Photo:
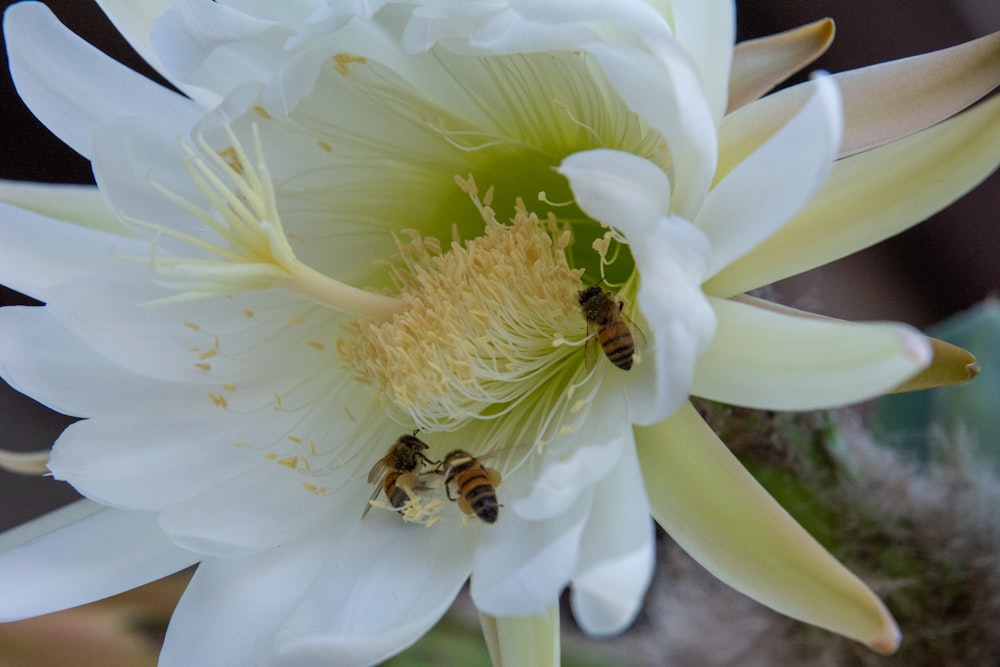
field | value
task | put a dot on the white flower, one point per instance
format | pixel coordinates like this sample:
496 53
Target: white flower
364 220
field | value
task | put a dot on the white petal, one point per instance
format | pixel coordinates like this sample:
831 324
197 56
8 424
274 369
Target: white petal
627 192
214 48
764 191
73 88
525 26
597 447
706 29
263 507
232 607
384 585
79 204
665 91
715 510
764 358
134 20
149 459
874 195
617 552
36 352
38 252
618 189
522 566
99 555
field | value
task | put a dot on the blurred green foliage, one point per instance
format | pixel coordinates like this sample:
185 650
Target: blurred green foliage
970 412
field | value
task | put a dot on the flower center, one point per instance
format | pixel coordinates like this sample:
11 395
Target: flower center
486 328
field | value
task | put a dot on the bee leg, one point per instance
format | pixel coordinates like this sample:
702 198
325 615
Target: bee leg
493 476
427 460
463 505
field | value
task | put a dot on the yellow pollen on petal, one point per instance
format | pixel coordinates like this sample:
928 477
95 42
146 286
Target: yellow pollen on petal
341 62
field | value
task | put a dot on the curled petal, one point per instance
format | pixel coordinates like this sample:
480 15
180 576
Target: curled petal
874 195
764 191
717 512
761 64
706 29
596 450
73 88
522 566
210 48
774 358
617 553
629 193
81 553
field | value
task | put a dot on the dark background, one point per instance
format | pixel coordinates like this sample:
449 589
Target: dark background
942 266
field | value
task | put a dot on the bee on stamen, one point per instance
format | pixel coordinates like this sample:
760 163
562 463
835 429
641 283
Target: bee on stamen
475 484
608 326
397 473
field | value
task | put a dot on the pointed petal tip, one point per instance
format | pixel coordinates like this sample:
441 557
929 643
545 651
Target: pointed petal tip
887 641
949 365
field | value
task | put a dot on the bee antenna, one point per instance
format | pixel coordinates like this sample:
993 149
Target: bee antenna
415 431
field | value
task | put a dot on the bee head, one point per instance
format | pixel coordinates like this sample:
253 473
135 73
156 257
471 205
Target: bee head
583 296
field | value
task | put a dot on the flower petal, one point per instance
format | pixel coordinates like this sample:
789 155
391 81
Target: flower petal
95 552
522 566
617 553
718 513
764 191
233 606
629 193
874 195
383 586
761 64
525 26
523 641
211 48
706 29
263 507
597 447
951 365
882 103
36 350
72 87
774 358
79 204
134 20
39 253
678 110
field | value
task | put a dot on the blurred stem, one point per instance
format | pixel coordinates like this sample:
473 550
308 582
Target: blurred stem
523 641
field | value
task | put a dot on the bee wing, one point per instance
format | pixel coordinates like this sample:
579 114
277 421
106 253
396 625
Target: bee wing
592 348
638 337
368 505
377 471
493 476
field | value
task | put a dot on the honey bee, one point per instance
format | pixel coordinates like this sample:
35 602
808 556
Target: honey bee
604 315
398 471
475 483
